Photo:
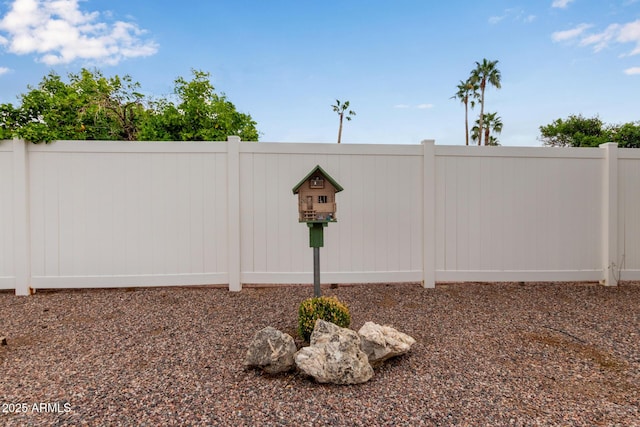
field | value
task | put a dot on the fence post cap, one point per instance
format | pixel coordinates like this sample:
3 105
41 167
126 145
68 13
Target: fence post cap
608 144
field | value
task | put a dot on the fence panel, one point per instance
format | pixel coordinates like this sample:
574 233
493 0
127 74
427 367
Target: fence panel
513 214
629 213
379 213
7 274
115 214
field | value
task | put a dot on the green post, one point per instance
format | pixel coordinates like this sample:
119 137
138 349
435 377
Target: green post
316 234
316 241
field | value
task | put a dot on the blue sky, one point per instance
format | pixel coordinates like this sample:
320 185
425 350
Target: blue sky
397 62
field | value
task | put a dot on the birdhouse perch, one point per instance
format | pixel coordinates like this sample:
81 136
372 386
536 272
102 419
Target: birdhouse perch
316 197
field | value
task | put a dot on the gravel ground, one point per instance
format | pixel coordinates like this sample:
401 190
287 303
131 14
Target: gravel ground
486 355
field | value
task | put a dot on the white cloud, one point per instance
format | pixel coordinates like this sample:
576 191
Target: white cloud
562 4
4 70
58 32
614 33
630 33
573 33
601 40
517 15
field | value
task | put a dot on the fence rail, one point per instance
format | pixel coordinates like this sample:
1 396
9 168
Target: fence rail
82 214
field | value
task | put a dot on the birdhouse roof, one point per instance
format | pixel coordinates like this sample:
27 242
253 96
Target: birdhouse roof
315 171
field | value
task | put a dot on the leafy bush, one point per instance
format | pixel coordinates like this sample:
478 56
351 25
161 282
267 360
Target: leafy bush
325 308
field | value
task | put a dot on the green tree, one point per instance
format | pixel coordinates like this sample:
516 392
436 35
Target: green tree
8 121
89 106
115 101
110 107
162 122
579 131
485 72
626 135
200 115
467 94
575 131
48 111
92 106
341 109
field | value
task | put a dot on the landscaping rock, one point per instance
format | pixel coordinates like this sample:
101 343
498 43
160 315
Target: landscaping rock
334 356
383 342
271 350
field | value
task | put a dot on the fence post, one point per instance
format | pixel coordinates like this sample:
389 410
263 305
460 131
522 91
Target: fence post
428 214
21 219
610 264
233 212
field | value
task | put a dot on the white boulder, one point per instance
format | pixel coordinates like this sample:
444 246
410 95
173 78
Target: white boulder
383 342
334 356
271 350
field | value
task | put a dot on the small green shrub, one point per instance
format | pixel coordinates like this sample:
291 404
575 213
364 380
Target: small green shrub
325 308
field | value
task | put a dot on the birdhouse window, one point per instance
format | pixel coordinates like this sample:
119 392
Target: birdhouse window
322 199
316 182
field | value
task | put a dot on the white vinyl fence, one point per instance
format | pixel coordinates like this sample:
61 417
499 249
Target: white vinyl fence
82 214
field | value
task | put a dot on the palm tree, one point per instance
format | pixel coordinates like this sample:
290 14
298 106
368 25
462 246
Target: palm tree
485 72
467 94
492 123
493 141
475 132
341 109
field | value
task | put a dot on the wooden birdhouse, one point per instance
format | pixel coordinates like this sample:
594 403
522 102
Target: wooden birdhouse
316 197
